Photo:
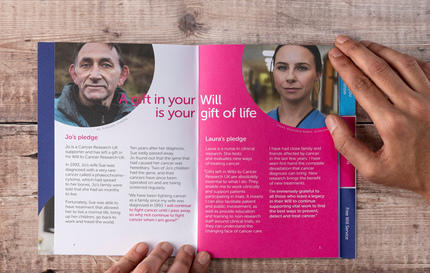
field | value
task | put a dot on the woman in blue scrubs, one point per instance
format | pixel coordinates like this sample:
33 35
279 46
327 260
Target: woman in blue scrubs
296 72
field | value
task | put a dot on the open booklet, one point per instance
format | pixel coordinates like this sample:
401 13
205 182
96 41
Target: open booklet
193 144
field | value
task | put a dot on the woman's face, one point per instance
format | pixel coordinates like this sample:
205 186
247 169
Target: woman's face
294 73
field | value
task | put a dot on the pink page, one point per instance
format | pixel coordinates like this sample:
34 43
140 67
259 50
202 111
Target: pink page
265 189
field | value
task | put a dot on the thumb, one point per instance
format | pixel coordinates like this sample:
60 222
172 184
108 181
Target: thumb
351 148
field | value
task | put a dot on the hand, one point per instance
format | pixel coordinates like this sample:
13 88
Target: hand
136 260
394 89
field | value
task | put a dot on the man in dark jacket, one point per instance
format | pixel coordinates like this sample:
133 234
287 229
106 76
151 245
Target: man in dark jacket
98 72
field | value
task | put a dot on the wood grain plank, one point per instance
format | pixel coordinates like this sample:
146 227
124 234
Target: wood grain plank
18 82
393 224
389 22
18 154
392 230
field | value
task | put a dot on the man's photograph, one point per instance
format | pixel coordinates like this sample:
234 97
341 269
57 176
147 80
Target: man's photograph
93 80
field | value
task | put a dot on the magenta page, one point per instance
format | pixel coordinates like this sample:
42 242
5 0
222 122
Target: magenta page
265 189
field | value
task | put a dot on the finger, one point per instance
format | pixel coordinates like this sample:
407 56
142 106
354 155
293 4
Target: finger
405 65
365 92
376 69
351 148
129 261
201 262
156 258
425 66
184 259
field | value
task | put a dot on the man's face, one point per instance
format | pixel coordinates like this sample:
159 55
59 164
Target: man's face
97 73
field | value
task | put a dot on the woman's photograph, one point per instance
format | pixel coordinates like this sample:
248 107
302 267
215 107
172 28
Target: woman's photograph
291 83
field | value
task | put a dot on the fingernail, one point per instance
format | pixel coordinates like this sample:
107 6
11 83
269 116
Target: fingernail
189 250
342 39
203 258
335 52
365 43
167 247
331 124
141 248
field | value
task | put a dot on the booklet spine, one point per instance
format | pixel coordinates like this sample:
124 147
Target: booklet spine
45 121
347 210
346 100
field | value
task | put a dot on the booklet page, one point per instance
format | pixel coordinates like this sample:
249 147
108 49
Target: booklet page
133 179
265 189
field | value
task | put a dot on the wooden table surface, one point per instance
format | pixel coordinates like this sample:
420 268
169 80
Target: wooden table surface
393 226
